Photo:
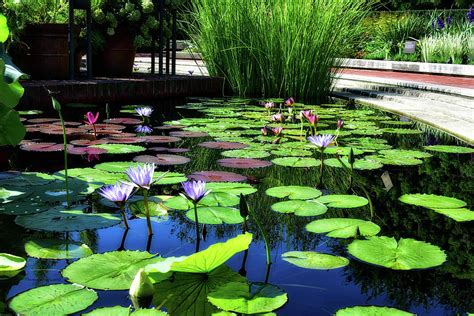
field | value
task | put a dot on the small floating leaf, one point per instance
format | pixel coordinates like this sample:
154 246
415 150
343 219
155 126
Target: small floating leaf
215 215
231 188
458 214
56 249
406 254
294 192
343 201
300 208
343 227
432 201
120 148
371 311
10 262
314 260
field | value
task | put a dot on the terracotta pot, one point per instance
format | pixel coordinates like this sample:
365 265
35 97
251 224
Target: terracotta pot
45 54
116 60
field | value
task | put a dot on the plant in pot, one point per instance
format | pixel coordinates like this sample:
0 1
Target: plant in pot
119 27
39 36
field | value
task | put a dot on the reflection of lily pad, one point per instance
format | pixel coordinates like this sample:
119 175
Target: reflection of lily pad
300 208
297 162
56 249
111 270
343 201
314 260
54 300
450 149
343 227
120 148
294 192
243 298
216 215
432 201
371 311
406 254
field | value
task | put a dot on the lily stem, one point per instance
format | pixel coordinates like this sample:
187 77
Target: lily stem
147 212
66 181
196 220
124 217
321 169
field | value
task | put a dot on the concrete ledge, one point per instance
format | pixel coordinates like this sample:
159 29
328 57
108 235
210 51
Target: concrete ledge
120 90
417 67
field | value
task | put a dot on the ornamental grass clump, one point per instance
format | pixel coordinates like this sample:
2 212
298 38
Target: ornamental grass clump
276 47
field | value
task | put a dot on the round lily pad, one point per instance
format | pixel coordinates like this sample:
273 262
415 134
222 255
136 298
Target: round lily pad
300 208
165 178
215 215
124 311
432 201
343 151
314 260
163 159
404 153
170 150
402 131
115 166
359 164
56 249
458 214
343 227
223 145
297 162
123 120
155 207
24 207
231 188
53 300
395 160
120 148
343 201
243 163
371 311
450 149
42 147
10 262
155 139
185 134
294 192
217 176
241 298
86 151
245 153
406 254
292 152
111 270
60 219
212 199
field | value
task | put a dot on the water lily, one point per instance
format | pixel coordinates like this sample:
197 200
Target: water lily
118 193
313 120
141 291
340 123
195 191
91 119
143 129
278 117
264 131
470 15
144 112
306 114
289 102
321 141
277 130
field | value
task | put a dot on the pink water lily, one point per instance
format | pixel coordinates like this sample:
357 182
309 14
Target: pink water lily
313 119
306 113
289 102
278 117
277 130
90 118
264 131
340 124
269 105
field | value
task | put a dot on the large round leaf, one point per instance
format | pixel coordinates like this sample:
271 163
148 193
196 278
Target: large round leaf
124 311
120 148
243 153
56 249
343 201
60 219
450 149
231 188
115 166
212 199
343 227
432 201
10 262
52 300
241 298
169 178
294 192
314 260
371 311
359 164
300 208
111 270
297 162
216 215
406 254
458 214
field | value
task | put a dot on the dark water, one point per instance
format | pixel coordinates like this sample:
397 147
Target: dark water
444 290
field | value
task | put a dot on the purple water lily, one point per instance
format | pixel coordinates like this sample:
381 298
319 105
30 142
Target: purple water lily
195 190
340 124
118 193
143 129
141 176
321 141
470 15
144 112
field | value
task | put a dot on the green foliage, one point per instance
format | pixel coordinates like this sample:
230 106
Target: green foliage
314 260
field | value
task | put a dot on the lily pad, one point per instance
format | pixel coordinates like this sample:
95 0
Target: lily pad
458 214
245 298
163 159
343 201
371 311
168 178
115 166
292 152
217 176
124 311
359 164
294 192
231 188
112 270
56 249
343 227
432 201
404 153
25 207
450 149
212 199
243 163
297 162
300 208
314 260
185 134
60 219
10 262
155 139
245 153
53 300
215 215
402 131
406 254
223 145
120 148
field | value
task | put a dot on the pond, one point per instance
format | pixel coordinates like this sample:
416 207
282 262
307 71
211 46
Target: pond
360 236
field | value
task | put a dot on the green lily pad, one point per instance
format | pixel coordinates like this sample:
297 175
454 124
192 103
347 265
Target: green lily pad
314 260
120 148
294 192
404 153
359 164
111 270
243 298
155 207
28 179
60 219
450 149
432 201
458 214
406 254
115 166
169 178
300 208
124 311
56 249
212 199
396 160
343 151
343 201
371 311
53 300
12 194
215 215
206 260
292 152
235 188
343 227
297 162
24 207
10 262
402 131
243 153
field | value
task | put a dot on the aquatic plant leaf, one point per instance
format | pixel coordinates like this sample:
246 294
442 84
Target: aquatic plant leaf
406 254
223 145
60 219
212 199
396 160
250 298
359 164
120 148
294 192
12 194
53 300
450 149
215 215
458 214
124 311
10 262
300 208
343 151
166 178
372 311
115 166
402 131
113 270
297 162
245 153
231 188
206 260
163 159
343 227
28 179
404 153
217 176
24 207
243 163
292 152
186 293
56 249
431 201
343 201
314 260
155 207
